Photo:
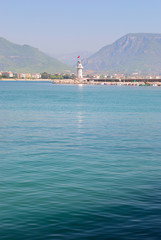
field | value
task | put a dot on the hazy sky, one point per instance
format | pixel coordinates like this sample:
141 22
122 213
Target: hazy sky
65 26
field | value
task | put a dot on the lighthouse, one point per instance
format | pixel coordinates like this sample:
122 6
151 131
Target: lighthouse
79 69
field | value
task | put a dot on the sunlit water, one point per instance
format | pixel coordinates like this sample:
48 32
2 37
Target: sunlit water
79 162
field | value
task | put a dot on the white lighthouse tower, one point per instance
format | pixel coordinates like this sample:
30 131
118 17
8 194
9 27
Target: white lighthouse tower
79 70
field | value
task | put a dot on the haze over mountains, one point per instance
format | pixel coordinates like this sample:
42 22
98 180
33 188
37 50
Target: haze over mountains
131 53
24 58
71 58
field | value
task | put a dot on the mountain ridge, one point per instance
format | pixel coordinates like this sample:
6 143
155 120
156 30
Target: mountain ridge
25 58
134 52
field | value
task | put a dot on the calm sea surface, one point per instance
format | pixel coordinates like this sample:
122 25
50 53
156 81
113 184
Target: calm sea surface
79 162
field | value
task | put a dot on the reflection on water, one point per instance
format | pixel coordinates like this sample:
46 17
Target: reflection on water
80 120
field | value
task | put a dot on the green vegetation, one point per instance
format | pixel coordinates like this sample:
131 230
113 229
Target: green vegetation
131 53
46 75
17 58
56 76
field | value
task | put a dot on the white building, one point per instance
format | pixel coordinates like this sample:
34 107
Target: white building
79 70
36 75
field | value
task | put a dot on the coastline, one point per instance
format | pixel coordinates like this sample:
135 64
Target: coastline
143 82
25 80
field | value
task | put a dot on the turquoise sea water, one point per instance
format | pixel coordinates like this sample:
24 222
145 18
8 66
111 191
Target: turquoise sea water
79 162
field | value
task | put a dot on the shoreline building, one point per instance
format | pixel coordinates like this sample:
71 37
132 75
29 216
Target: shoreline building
7 74
79 70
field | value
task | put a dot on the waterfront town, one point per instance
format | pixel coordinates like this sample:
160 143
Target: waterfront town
134 79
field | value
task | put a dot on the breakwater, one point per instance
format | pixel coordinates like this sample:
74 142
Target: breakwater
125 82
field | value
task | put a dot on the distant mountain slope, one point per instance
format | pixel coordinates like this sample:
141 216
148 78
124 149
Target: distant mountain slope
18 58
71 58
132 53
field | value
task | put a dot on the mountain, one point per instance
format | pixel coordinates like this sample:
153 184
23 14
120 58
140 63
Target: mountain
24 58
140 52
